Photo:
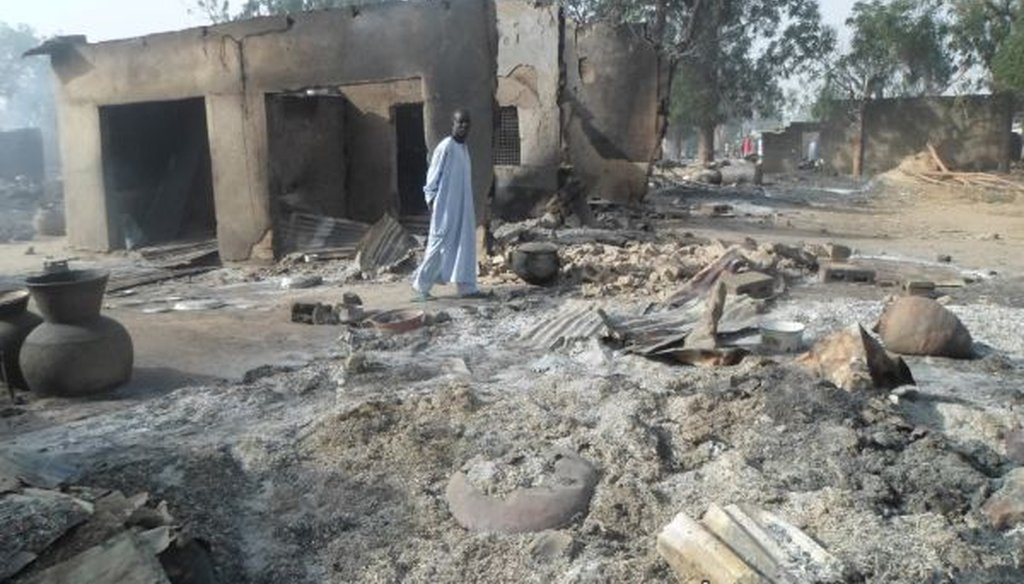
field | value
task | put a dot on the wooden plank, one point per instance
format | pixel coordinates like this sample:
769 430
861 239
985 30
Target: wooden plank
938 161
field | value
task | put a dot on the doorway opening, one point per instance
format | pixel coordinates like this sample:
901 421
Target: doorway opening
411 160
308 170
157 172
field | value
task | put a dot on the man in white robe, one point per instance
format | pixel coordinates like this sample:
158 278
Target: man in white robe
451 244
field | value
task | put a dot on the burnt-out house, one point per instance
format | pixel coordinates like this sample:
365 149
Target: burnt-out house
235 130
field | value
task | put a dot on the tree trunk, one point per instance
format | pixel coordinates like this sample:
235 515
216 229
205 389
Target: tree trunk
706 143
858 140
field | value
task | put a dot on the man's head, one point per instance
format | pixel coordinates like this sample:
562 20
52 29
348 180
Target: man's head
460 125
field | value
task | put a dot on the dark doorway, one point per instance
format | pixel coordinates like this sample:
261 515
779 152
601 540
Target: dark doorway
412 159
157 172
308 168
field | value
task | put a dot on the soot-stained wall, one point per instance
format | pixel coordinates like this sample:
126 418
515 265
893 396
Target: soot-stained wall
450 46
612 108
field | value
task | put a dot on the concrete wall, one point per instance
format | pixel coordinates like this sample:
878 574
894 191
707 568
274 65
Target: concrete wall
529 36
21 154
450 46
970 133
611 108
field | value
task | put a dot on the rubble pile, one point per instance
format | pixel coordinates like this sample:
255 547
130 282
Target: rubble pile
655 269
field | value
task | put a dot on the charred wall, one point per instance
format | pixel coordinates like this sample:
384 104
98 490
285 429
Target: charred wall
612 108
234 66
529 74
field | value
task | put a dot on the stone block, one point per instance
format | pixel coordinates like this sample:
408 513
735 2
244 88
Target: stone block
838 252
742 543
753 284
919 287
842 272
696 555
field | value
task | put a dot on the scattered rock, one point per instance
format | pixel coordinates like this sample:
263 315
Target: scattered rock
944 258
1014 443
913 325
200 304
853 360
299 282
840 272
551 545
752 283
351 299
1006 507
837 252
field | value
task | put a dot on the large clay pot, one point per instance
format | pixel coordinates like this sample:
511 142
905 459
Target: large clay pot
16 322
76 351
913 325
536 263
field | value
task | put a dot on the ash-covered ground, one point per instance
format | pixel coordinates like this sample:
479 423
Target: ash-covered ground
335 470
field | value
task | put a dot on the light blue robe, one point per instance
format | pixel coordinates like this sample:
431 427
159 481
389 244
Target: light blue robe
451 244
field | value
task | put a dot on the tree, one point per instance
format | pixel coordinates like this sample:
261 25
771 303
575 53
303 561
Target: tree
899 47
737 58
26 94
978 29
727 56
1007 64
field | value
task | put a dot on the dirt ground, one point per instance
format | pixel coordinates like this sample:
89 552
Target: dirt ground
322 453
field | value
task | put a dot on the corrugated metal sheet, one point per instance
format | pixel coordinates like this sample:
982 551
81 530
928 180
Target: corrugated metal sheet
303 232
576 320
654 333
180 254
386 243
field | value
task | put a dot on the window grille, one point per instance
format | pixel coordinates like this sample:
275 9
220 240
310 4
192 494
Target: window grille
506 147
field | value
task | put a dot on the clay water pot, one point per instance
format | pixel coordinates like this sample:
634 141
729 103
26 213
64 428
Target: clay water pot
16 322
76 351
536 263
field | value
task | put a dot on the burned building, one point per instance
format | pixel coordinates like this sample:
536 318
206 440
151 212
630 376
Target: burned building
235 130
585 97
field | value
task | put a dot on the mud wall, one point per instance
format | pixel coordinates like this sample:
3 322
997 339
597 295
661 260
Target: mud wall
21 154
371 146
528 76
611 108
969 132
235 65
783 151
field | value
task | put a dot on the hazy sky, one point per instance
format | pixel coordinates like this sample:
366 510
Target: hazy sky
110 19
